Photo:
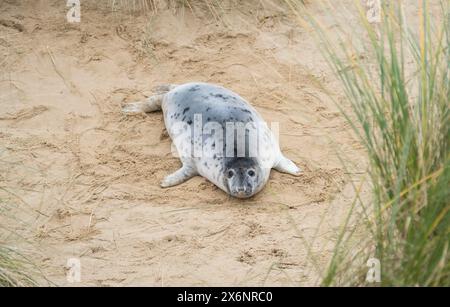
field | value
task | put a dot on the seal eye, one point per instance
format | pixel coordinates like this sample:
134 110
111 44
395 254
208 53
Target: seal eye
230 173
251 173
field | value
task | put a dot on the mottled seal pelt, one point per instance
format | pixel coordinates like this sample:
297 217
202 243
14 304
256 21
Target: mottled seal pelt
217 134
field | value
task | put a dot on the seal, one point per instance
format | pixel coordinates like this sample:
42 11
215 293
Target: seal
218 135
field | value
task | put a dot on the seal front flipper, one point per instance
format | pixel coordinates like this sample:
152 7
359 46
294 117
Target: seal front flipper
186 172
150 104
285 165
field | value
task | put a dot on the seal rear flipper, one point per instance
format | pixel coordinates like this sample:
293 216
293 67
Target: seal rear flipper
163 88
150 104
285 165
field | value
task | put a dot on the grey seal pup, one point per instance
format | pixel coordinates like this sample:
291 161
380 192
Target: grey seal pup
218 135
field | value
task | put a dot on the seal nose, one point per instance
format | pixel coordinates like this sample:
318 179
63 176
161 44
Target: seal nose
240 191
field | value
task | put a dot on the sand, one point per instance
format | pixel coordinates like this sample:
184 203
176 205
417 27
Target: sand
87 177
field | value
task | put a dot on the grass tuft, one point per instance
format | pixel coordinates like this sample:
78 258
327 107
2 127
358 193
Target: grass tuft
16 269
398 87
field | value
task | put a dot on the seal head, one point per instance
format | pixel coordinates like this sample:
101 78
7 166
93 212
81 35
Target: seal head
242 177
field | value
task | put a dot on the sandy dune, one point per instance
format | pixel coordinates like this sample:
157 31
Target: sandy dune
88 176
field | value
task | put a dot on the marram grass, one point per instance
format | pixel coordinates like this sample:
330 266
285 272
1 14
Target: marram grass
398 88
16 269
